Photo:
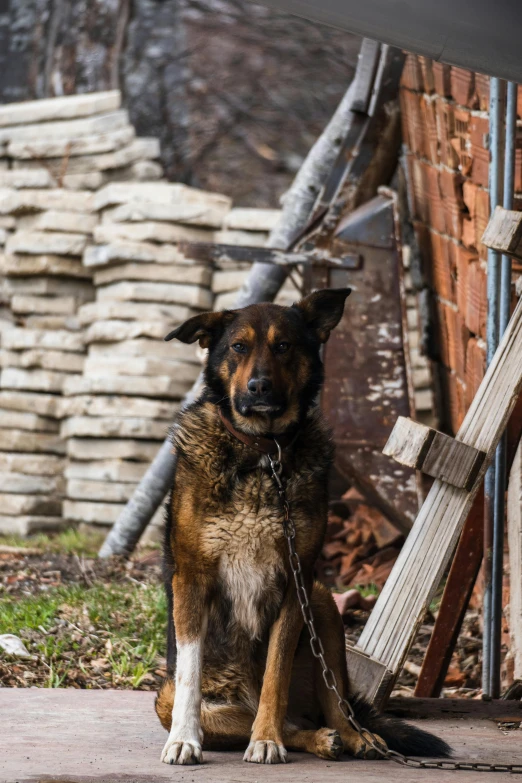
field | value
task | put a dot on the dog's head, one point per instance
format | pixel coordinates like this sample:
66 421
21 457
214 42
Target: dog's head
264 366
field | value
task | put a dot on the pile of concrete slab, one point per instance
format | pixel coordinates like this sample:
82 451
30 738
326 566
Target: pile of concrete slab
119 411
79 142
44 284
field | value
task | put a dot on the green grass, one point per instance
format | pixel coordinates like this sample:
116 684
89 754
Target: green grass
67 542
123 624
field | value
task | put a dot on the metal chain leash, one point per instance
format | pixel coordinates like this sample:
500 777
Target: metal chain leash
330 680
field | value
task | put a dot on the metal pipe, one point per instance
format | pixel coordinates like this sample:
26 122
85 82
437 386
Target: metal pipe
480 35
496 119
501 455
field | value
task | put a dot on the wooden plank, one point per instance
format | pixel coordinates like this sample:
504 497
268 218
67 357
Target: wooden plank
455 600
496 709
460 582
514 527
504 232
433 452
418 570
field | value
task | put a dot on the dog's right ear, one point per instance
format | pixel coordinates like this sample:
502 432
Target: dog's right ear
204 327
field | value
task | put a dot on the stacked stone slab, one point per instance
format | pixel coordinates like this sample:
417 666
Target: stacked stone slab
78 142
44 283
119 411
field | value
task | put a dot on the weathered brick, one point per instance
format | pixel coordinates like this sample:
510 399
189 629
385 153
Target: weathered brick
482 90
428 80
442 79
463 87
412 77
476 305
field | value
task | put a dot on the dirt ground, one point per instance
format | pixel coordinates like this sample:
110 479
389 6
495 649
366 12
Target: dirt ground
90 623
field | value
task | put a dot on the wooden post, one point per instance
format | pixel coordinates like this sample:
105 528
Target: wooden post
416 575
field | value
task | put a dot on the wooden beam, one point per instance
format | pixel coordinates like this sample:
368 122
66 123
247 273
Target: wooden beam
417 572
496 709
455 599
436 454
504 232
514 525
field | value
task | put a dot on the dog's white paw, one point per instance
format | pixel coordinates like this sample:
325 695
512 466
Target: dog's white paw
265 752
181 752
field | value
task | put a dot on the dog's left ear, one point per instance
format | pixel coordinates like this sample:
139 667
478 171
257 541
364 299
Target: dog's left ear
204 327
323 310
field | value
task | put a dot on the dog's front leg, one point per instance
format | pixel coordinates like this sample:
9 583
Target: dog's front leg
183 745
266 743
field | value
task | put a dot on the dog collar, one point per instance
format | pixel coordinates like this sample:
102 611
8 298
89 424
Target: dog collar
258 442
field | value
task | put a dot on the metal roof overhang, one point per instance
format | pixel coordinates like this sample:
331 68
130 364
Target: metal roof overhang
482 35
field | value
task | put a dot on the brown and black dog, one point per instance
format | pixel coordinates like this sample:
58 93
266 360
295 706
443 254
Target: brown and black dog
240 669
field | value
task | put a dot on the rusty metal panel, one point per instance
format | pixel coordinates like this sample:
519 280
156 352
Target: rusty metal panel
367 385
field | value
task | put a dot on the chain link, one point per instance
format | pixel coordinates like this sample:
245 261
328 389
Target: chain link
330 680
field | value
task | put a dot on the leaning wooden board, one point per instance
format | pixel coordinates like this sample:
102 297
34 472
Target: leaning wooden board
376 661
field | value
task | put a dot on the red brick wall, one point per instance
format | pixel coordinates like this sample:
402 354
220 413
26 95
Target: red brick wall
445 126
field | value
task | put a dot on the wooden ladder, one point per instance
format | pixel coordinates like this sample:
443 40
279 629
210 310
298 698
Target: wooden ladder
458 466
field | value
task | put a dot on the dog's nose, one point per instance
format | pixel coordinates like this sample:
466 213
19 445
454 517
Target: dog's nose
259 386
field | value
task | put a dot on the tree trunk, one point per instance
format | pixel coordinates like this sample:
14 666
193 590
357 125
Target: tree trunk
263 283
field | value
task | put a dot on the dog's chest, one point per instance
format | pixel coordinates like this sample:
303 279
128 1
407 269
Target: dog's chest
247 538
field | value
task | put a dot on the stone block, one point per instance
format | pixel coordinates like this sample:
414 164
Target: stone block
70 129
113 427
105 448
93 513
151 231
25 526
133 311
225 301
26 178
160 273
211 216
115 331
18 202
141 366
59 220
71 147
39 404
32 442
62 361
27 266
246 238
23 420
18 339
52 322
162 192
158 349
250 219
121 251
142 171
33 380
43 242
116 470
32 464
44 305
24 484
62 108
228 280
92 180
138 291
101 491
133 386
14 504
89 405
49 286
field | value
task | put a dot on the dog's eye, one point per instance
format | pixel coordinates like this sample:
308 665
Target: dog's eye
282 347
239 347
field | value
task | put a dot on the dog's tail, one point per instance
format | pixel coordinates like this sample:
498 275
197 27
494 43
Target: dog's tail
398 735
